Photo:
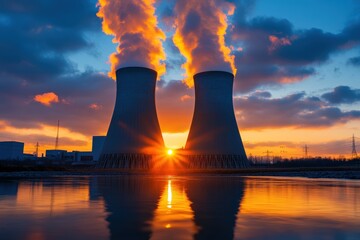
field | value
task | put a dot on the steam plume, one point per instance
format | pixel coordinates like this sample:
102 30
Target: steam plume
200 36
134 26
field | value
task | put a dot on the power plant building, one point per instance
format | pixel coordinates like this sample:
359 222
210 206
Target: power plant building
214 140
134 134
11 150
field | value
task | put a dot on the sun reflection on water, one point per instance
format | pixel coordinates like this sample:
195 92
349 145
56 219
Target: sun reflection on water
169 198
173 216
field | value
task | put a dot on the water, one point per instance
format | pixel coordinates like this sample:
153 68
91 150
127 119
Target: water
196 207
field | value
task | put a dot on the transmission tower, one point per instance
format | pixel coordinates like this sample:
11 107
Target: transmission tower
268 156
306 150
57 136
353 152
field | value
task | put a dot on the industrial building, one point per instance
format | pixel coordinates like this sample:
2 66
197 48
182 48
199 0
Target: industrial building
55 154
134 134
214 140
11 150
65 156
97 146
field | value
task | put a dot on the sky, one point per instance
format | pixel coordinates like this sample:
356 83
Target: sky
297 65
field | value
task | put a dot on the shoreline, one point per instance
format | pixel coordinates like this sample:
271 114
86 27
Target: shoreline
334 173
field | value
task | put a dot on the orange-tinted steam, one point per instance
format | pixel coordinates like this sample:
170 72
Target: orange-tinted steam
200 36
134 26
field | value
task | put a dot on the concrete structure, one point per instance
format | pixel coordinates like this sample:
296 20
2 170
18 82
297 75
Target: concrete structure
83 156
214 140
77 156
134 134
11 150
97 146
65 156
54 154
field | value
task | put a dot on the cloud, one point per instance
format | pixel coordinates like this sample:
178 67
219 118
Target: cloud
355 61
278 42
47 98
342 94
80 91
37 35
295 110
270 51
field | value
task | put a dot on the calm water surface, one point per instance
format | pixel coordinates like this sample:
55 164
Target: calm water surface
145 207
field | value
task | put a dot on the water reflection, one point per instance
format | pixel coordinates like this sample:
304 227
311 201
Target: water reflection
279 208
8 188
215 202
50 209
201 207
173 216
130 202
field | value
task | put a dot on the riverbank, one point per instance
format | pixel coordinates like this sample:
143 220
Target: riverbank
339 172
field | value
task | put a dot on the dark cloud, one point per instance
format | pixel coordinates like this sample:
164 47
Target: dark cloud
64 14
355 61
342 94
37 35
261 94
295 110
250 76
310 46
270 51
76 93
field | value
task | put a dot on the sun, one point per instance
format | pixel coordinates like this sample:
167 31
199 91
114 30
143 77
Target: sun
170 152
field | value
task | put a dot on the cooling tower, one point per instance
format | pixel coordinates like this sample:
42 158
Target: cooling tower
214 140
134 134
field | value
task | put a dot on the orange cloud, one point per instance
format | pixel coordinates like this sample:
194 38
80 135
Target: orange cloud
200 36
47 98
134 27
277 42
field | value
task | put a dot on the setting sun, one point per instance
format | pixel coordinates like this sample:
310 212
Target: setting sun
170 152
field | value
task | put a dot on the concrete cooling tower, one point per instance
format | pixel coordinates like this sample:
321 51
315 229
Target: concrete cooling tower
134 134
214 140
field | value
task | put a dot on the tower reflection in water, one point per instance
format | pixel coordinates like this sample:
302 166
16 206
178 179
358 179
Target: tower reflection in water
176 208
215 202
130 202
193 207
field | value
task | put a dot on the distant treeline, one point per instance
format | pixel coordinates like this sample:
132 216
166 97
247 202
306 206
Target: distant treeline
306 162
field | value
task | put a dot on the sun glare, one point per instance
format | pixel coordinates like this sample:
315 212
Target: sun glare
170 152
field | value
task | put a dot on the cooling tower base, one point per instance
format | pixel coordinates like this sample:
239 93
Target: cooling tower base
126 161
217 161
